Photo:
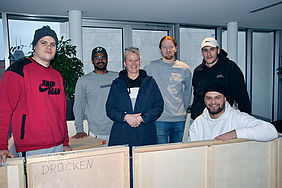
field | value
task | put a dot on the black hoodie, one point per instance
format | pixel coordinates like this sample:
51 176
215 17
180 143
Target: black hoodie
132 83
228 74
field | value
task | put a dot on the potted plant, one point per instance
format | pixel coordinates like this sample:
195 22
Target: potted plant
70 67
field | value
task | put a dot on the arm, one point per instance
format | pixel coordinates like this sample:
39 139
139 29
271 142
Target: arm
79 108
111 105
227 136
255 129
147 68
193 133
239 90
157 107
66 146
198 104
187 89
11 90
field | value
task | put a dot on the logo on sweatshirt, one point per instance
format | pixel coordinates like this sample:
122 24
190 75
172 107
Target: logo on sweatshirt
107 85
219 76
49 86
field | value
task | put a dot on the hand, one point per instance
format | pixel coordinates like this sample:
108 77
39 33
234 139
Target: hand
134 120
3 156
139 118
67 148
227 136
80 135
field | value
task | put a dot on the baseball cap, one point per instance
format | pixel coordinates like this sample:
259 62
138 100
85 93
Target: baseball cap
42 32
210 41
99 49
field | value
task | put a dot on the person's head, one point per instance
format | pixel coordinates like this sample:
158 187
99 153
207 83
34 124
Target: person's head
210 50
132 60
99 58
44 45
168 48
215 99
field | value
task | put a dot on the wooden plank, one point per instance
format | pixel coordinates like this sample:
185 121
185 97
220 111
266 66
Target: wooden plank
100 167
246 164
85 143
170 168
3 177
235 163
12 174
180 145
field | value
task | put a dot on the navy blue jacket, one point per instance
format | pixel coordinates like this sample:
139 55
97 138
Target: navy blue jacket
149 103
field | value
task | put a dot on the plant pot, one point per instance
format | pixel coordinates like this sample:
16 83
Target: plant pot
69 113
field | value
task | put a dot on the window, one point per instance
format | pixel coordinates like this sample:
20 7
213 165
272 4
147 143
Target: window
262 74
21 33
110 39
241 49
148 43
190 45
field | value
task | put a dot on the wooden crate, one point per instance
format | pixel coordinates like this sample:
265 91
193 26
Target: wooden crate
12 173
208 164
100 167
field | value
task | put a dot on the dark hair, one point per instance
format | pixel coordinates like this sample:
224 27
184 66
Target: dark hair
167 38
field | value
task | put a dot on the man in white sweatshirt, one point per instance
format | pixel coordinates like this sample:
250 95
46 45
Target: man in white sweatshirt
219 121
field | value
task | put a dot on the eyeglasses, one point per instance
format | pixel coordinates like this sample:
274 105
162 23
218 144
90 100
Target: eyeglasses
100 57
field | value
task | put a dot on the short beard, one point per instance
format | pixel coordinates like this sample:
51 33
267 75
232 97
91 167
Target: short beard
100 68
169 57
220 109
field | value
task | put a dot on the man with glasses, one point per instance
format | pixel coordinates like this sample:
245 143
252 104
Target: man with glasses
91 93
174 79
33 102
216 67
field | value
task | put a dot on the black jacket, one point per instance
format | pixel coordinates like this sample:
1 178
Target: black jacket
228 74
149 103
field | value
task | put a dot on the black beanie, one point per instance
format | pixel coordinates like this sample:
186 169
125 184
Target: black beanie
99 49
215 86
42 32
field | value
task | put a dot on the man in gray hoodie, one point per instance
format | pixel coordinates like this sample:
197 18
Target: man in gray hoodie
91 93
174 79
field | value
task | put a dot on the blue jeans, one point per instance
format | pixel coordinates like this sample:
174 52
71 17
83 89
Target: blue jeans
170 132
54 149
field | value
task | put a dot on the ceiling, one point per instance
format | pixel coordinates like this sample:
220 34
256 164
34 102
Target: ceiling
194 12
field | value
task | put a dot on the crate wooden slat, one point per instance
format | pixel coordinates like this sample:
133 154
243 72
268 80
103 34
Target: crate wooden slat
85 143
100 167
209 164
12 175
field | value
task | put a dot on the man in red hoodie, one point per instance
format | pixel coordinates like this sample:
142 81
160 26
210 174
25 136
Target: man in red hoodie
32 101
